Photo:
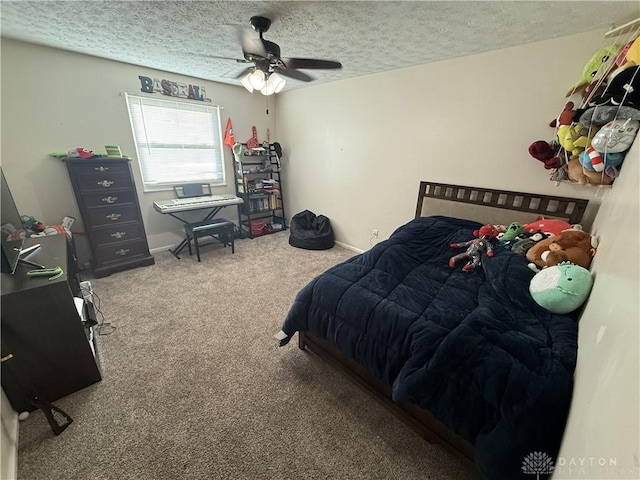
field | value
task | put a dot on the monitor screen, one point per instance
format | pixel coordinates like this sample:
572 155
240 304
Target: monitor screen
11 227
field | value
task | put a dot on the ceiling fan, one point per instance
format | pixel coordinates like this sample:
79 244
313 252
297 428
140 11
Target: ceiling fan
268 65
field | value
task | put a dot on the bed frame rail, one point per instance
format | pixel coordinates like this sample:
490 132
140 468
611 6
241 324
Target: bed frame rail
570 209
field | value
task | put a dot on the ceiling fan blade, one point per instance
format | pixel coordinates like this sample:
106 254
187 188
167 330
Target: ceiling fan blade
251 44
207 55
287 72
243 72
311 63
218 57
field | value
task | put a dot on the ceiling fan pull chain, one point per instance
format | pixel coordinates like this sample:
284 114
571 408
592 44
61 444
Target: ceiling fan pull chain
267 102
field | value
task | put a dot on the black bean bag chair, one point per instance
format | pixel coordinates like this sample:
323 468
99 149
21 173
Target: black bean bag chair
311 232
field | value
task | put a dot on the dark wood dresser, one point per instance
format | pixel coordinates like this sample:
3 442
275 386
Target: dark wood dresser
108 202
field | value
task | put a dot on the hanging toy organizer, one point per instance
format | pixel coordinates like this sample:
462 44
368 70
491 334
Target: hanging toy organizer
601 117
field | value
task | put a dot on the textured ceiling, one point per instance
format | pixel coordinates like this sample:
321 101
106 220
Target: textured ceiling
366 36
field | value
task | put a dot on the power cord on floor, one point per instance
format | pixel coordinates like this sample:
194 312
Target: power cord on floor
103 327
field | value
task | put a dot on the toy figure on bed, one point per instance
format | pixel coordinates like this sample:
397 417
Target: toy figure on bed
475 247
510 235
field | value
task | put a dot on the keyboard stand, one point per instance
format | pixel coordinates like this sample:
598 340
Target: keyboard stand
184 243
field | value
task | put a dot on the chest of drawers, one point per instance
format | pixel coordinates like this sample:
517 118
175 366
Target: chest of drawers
108 203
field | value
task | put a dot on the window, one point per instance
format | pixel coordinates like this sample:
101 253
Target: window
176 142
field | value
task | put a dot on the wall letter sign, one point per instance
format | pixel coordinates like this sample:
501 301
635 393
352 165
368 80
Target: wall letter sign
172 89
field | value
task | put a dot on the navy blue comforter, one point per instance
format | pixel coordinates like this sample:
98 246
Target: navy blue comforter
471 347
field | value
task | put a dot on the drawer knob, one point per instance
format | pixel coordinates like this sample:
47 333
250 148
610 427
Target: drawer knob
101 169
110 199
118 235
105 183
113 216
122 252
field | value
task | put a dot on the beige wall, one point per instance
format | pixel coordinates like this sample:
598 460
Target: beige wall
54 100
355 150
604 423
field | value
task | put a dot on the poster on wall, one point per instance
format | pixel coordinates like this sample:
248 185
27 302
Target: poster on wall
172 89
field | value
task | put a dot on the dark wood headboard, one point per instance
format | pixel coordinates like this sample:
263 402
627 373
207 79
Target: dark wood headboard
566 208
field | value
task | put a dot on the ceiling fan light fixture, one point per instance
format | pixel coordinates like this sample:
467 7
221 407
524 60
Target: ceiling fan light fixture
268 89
277 81
257 79
246 83
274 84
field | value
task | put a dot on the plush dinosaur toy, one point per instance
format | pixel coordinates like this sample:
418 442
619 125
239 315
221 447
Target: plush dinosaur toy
561 288
475 247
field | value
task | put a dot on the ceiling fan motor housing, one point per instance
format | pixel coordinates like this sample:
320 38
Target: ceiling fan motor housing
260 24
270 53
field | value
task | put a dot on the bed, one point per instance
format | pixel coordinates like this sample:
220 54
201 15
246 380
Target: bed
466 358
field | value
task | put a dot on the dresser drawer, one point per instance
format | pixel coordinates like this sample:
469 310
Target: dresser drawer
100 216
118 233
119 252
101 168
104 182
109 198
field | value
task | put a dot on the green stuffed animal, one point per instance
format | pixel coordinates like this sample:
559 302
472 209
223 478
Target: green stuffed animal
598 66
562 288
514 230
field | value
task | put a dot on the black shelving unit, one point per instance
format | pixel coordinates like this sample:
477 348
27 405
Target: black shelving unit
259 184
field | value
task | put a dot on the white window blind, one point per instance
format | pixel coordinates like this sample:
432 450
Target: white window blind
176 142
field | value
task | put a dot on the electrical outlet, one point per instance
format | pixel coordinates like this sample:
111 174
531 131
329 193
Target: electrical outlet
374 233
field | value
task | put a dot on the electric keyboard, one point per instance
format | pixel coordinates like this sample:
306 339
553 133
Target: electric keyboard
194 203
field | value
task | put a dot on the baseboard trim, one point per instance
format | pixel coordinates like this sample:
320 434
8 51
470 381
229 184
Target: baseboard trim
349 247
161 249
171 247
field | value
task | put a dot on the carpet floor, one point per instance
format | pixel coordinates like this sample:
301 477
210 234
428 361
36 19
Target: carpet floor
195 387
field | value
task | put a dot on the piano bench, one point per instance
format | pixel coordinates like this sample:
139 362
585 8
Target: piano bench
218 228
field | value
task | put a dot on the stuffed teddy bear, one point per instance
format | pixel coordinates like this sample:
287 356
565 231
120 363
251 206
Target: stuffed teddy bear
566 116
475 247
578 174
562 288
571 245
